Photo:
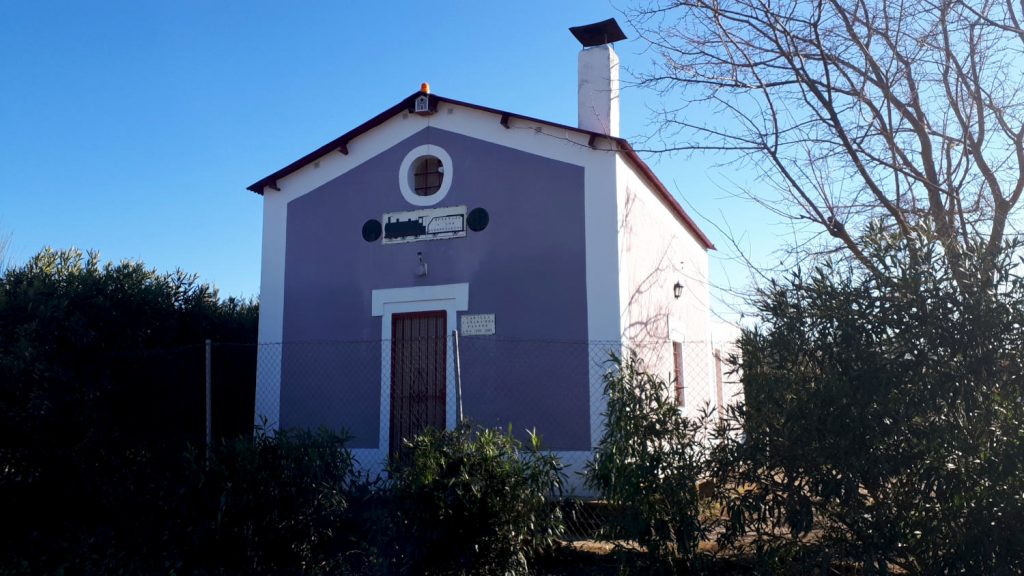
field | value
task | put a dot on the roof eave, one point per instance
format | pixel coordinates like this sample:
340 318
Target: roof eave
404 105
664 193
341 144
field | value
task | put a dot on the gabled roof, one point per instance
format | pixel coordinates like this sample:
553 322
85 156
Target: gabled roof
406 105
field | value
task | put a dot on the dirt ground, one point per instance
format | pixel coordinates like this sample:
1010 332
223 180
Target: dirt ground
599 558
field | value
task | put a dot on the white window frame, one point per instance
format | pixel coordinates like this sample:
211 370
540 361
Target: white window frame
405 176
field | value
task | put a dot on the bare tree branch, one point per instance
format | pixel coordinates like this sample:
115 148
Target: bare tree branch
905 114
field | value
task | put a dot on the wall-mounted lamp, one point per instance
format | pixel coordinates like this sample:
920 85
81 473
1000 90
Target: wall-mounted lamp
677 290
422 269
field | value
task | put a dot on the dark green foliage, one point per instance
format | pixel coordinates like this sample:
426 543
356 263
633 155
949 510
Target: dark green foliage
88 351
283 504
101 366
280 504
472 501
885 414
648 464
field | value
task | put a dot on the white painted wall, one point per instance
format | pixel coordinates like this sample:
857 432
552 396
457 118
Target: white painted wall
656 250
598 90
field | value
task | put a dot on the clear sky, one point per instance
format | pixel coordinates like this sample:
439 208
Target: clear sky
134 127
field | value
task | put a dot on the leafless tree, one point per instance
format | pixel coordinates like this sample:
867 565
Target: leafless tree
909 113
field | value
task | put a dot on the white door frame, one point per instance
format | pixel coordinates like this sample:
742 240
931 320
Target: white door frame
386 302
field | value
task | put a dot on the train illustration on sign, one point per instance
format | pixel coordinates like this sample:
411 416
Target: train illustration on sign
426 224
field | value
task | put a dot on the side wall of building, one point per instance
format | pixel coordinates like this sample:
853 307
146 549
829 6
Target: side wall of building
657 251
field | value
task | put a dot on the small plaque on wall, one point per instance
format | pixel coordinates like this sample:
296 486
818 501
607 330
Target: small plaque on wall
477 325
425 224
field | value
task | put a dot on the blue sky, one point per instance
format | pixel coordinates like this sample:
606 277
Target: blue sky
133 128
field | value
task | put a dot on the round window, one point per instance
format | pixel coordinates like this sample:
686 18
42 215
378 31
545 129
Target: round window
425 175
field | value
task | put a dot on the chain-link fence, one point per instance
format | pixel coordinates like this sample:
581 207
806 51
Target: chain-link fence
382 391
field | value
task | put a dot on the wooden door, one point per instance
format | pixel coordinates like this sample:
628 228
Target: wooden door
418 374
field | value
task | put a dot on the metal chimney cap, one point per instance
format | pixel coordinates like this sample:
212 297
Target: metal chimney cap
598 33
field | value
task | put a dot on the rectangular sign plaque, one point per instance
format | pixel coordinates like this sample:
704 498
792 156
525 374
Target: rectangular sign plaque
477 325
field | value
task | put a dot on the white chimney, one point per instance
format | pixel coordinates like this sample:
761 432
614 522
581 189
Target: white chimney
599 90
599 76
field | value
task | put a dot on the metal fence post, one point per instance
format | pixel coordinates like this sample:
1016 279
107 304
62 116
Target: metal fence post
209 395
458 378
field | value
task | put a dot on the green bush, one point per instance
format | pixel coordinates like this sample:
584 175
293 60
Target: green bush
474 501
101 368
647 465
884 415
286 503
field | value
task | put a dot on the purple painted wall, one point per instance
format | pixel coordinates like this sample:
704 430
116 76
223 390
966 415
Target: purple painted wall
527 267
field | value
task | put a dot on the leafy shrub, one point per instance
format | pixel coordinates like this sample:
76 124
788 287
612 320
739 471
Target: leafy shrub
886 413
288 503
269 505
472 500
648 463
88 348
96 383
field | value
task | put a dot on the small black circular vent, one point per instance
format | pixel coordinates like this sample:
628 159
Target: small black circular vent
477 219
371 230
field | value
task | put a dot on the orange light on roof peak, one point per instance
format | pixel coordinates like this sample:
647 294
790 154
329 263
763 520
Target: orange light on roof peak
425 88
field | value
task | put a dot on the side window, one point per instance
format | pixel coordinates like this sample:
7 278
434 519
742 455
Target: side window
677 361
720 401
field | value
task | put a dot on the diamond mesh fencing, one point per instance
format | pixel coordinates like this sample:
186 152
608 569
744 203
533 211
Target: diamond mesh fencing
381 392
